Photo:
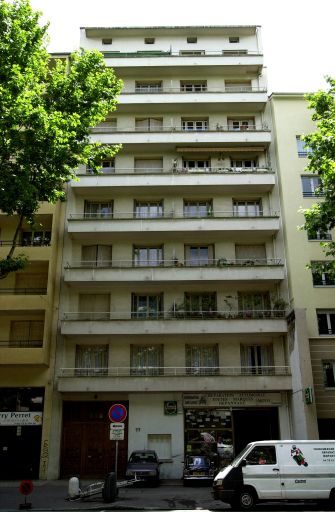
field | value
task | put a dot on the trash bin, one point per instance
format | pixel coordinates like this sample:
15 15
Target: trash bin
109 491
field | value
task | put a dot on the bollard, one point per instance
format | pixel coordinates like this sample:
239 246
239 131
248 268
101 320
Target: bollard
74 487
109 491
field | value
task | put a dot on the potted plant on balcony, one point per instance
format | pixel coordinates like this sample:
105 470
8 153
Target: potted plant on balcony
279 306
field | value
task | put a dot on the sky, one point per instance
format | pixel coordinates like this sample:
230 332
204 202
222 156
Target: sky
297 35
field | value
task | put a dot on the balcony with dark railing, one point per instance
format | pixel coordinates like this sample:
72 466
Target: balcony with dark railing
24 343
23 291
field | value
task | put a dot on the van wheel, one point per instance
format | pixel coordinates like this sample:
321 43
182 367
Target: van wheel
246 499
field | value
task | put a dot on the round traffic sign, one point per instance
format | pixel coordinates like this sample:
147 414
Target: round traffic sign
26 487
117 413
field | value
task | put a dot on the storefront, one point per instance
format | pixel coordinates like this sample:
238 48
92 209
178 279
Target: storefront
21 418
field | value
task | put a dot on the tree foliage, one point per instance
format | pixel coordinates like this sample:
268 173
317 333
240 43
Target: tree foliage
47 107
321 216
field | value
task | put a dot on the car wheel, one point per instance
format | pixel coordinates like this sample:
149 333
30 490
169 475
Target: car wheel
246 499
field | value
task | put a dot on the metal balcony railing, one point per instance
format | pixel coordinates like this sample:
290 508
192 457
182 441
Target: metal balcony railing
217 214
21 343
25 243
186 53
179 129
174 314
177 371
194 90
23 291
174 263
264 169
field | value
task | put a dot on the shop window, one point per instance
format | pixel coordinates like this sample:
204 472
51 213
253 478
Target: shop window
147 359
147 306
303 150
91 360
322 276
26 333
98 209
96 256
199 255
202 359
148 256
148 209
326 322
329 373
243 208
262 454
94 306
257 359
198 208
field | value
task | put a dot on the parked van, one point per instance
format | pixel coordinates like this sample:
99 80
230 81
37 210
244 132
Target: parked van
278 470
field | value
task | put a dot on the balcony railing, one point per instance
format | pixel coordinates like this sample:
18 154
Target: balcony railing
23 291
172 215
174 314
195 90
26 243
177 371
180 129
21 343
175 263
182 170
170 53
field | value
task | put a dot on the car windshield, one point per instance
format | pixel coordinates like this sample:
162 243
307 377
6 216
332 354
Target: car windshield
196 460
240 456
140 457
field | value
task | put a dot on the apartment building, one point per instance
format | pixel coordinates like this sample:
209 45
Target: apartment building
174 298
312 292
28 303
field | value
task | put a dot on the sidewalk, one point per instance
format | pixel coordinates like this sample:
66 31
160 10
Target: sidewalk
51 495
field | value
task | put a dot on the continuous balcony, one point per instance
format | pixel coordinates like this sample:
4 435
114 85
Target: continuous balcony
82 226
237 179
174 322
269 270
125 379
30 352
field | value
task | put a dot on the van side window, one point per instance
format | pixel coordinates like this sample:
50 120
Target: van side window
262 455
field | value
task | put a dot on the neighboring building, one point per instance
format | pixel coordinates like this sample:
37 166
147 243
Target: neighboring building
312 293
28 303
174 294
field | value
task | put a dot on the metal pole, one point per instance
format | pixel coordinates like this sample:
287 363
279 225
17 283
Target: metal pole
116 457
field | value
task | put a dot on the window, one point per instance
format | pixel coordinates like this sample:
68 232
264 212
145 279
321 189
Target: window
91 360
199 255
303 150
31 283
253 304
262 455
238 85
246 254
107 167
193 86
190 53
241 124
322 277
196 165
194 125
235 52
36 238
318 235
311 186
26 333
200 305
148 165
239 165
149 40
234 39
202 359
107 41
257 359
94 306
149 124
148 87
146 359
247 208
98 209
192 39
148 209
326 322
148 256
96 256
198 208
147 306
329 373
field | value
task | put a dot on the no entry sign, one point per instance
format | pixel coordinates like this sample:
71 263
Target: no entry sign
117 413
26 487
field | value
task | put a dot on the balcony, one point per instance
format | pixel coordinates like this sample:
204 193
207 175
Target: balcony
125 379
269 270
174 322
28 352
172 224
254 180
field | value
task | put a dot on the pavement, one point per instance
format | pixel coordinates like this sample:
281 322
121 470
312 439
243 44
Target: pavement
51 495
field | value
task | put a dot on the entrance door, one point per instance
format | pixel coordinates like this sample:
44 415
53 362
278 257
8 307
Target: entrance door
254 425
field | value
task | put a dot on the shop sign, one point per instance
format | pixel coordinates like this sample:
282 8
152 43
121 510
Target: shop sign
170 407
233 399
17 418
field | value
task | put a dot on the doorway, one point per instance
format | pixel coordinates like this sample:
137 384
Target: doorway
254 425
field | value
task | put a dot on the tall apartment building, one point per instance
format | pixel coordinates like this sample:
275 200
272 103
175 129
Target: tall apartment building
312 293
174 294
28 304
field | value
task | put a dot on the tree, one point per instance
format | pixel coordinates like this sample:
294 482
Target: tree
321 216
47 107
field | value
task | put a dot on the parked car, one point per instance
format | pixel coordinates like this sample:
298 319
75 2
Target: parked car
198 468
145 465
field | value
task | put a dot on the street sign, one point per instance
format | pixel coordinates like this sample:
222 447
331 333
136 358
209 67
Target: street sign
116 432
116 426
26 487
117 413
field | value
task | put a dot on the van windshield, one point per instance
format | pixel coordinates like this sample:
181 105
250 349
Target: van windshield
240 456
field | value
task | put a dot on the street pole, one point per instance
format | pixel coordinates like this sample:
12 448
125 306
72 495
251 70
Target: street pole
116 457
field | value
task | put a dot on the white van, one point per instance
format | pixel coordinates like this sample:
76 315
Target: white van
278 470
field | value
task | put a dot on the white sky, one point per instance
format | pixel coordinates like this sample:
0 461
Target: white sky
298 35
